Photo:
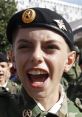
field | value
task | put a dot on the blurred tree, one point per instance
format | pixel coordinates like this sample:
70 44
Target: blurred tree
7 9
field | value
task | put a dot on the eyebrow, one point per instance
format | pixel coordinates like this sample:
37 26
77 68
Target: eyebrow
23 41
52 41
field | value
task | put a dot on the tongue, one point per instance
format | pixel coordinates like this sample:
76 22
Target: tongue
37 80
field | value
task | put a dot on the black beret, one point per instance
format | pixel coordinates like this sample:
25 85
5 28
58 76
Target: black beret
3 57
40 17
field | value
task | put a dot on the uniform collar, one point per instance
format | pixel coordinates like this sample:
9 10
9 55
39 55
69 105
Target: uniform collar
35 108
4 85
60 105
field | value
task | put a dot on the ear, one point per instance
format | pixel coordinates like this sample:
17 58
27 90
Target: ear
10 64
70 60
12 58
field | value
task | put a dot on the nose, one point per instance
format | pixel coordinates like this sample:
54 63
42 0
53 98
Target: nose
37 56
0 67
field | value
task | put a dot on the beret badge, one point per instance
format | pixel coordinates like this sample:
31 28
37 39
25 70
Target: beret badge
28 16
61 24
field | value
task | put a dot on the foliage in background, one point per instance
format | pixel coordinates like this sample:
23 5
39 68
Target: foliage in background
7 9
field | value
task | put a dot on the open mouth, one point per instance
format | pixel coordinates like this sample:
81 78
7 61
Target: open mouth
37 77
1 75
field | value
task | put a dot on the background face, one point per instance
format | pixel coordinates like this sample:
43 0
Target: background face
4 72
40 57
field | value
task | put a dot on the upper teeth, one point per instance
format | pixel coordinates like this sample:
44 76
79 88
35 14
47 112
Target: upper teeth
34 72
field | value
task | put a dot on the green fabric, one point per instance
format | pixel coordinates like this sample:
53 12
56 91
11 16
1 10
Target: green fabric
13 87
14 106
73 110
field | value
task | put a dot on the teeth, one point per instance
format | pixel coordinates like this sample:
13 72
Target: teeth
34 72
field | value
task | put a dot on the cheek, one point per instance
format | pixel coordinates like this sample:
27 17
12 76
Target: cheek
18 63
57 63
21 62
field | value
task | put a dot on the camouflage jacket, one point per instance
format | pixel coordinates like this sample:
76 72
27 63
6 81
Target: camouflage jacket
22 105
12 87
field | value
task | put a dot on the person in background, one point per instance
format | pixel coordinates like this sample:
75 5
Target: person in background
43 48
69 79
72 81
5 82
78 87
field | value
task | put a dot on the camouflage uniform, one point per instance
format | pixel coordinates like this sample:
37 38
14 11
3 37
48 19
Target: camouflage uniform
22 105
78 93
69 80
13 87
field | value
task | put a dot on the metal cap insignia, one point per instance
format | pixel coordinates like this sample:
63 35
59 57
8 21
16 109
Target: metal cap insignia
28 16
61 24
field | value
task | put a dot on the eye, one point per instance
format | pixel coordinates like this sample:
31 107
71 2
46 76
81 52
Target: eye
3 66
24 46
51 48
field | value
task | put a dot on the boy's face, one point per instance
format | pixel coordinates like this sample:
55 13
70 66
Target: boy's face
41 57
4 73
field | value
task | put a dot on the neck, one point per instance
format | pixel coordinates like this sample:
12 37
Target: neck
48 101
3 83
